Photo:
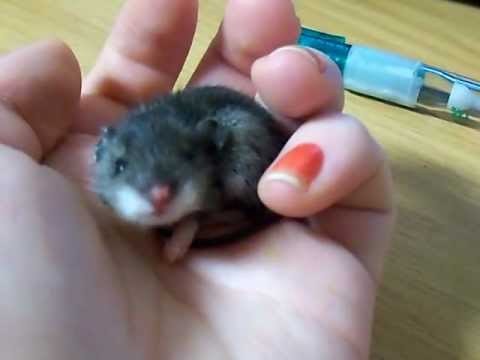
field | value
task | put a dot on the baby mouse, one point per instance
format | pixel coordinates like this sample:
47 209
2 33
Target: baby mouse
189 163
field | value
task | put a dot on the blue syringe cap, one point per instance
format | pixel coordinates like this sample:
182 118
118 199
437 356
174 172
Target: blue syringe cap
333 46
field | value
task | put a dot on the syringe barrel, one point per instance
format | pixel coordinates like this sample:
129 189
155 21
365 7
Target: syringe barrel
383 75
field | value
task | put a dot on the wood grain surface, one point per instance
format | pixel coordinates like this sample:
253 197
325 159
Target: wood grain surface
429 304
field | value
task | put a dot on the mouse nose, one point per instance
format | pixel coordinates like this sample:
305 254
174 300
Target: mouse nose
160 196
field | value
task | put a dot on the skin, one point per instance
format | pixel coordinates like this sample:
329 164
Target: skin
286 293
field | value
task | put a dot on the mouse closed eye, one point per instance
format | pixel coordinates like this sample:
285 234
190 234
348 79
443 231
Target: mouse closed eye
198 152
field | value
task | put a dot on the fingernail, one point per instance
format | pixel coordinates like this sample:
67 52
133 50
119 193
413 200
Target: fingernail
318 61
298 167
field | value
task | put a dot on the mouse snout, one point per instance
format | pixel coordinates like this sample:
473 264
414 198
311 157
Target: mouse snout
160 196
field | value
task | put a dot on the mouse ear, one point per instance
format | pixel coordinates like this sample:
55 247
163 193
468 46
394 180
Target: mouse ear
213 132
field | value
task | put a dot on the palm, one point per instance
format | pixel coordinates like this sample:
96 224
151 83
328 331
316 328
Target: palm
247 304
286 293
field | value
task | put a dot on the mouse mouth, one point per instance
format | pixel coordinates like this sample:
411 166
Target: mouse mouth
133 206
161 206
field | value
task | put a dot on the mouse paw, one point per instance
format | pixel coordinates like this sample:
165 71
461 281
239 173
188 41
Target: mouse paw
182 238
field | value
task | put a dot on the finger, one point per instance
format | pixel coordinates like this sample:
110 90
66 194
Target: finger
94 112
296 82
74 158
52 256
333 172
324 162
366 233
39 92
250 30
145 51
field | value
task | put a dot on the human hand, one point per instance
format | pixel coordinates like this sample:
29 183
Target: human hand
289 292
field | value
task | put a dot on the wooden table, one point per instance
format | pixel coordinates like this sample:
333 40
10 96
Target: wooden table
429 305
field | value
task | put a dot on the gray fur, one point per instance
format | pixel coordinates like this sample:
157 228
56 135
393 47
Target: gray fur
221 139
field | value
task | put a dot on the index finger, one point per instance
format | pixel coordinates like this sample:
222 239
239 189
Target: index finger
145 51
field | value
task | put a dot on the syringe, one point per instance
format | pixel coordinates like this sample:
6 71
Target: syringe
397 79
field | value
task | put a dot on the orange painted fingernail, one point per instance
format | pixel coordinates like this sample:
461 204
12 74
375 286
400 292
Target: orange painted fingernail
298 167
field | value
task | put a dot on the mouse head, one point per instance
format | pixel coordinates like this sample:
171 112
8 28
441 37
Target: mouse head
151 175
